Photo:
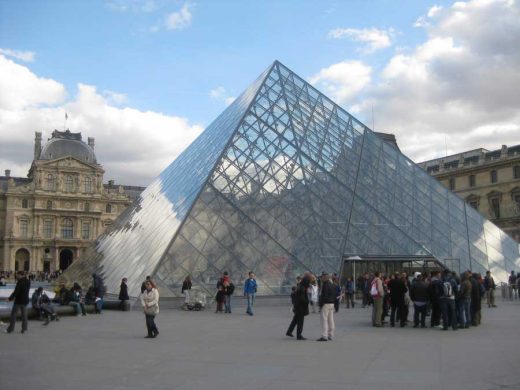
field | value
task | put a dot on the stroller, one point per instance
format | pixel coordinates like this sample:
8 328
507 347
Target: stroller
197 302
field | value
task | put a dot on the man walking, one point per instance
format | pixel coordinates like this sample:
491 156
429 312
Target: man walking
250 288
327 300
20 296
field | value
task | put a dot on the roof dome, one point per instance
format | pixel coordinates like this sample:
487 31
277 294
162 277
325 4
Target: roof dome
65 143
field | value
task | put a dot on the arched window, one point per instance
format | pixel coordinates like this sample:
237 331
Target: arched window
69 183
88 185
25 203
50 182
108 209
49 205
67 228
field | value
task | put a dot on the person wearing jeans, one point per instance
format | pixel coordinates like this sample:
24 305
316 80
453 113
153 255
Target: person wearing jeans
250 288
419 296
150 303
20 296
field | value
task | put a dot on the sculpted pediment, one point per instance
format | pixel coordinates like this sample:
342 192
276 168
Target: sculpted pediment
68 162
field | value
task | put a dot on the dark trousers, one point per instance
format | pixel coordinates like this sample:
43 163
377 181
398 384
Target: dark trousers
435 319
122 305
419 311
297 322
349 297
150 325
449 314
336 305
14 311
397 308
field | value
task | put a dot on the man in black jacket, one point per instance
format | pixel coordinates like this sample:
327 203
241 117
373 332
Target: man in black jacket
397 289
20 296
327 299
300 309
419 296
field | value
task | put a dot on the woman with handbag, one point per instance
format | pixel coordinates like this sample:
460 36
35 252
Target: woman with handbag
150 303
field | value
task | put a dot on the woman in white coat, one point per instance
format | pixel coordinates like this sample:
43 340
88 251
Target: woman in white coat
150 303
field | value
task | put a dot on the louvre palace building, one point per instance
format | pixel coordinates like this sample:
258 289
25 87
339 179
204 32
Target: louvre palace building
282 182
49 218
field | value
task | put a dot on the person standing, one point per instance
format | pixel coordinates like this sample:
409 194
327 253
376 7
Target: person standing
300 309
123 294
327 304
312 292
186 289
398 290
489 285
229 289
476 299
349 292
377 292
419 297
250 288
150 303
448 290
465 301
433 294
512 286
20 296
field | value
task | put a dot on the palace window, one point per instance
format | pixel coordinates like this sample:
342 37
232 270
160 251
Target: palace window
49 205
472 180
516 172
494 176
495 207
87 206
24 227
50 182
474 204
47 228
85 231
108 208
452 184
88 185
25 203
69 183
67 228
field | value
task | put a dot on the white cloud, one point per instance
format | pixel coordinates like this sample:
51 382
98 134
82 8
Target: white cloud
374 38
115 97
132 145
136 6
220 93
25 56
179 20
342 81
460 84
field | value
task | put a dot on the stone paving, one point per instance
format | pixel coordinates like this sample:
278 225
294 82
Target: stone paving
204 350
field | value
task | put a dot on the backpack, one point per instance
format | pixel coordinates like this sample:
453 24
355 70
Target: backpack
447 289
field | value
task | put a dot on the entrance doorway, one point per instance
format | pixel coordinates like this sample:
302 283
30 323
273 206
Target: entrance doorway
66 257
22 260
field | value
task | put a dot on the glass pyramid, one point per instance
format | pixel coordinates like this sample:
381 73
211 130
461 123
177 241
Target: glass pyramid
285 181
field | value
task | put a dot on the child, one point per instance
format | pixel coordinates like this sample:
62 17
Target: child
220 299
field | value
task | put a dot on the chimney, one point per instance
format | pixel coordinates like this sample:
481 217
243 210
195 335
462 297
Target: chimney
503 151
91 142
8 173
37 144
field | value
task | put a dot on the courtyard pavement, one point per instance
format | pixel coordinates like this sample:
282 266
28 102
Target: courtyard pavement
204 350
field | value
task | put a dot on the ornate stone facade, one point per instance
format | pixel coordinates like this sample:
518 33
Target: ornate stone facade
49 218
488 180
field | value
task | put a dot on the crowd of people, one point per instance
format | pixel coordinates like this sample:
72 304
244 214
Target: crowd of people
35 276
44 306
454 299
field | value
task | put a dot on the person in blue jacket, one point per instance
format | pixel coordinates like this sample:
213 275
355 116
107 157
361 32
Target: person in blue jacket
250 287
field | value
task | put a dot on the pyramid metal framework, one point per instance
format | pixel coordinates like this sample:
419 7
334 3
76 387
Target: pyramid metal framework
285 181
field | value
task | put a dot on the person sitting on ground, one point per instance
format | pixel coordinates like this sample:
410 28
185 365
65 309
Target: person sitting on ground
65 295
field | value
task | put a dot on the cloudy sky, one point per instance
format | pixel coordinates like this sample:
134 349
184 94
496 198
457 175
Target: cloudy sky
145 77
